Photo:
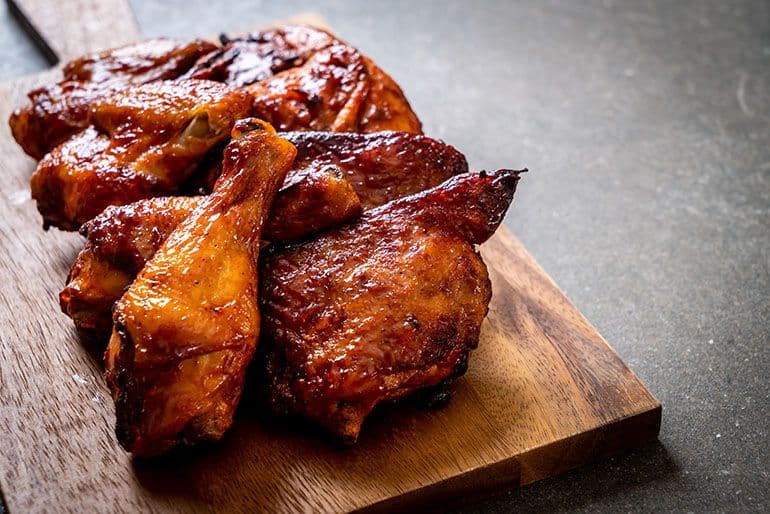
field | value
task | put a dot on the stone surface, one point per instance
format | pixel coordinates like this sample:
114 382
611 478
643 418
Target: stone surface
646 127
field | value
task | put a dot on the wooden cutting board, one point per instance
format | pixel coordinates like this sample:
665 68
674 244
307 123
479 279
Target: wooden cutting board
544 392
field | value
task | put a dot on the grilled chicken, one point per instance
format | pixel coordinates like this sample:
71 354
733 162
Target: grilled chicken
303 78
377 310
189 324
145 141
329 84
59 111
380 167
245 60
122 239
372 310
338 90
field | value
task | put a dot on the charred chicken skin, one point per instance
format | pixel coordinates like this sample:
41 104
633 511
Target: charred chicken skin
145 141
303 78
379 309
187 327
376 168
59 111
245 60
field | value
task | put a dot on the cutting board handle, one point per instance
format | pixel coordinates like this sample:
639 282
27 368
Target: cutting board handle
67 29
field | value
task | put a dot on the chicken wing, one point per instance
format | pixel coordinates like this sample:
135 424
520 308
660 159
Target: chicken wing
59 111
187 327
145 141
379 309
380 167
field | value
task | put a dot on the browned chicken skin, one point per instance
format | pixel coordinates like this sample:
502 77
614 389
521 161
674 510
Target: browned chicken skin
338 90
329 85
306 80
380 167
382 308
59 111
368 312
187 327
245 60
145 141
303 78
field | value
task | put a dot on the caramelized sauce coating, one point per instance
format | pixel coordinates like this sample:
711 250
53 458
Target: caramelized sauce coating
379 309
189 324
145 141
376 168
245 60
303 78
58 111
327 83
381 166
338 90
123 238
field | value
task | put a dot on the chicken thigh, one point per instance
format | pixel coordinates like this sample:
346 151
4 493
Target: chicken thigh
382 308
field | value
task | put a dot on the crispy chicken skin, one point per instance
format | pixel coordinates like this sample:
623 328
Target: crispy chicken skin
379 309
145 141
187 327
379 167
56 112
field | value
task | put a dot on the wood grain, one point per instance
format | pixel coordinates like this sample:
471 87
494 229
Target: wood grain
67 29
544 393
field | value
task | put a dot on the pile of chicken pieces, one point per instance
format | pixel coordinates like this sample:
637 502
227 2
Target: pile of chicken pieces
267 204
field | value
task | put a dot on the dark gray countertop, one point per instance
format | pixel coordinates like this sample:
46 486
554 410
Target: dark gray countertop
647 129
